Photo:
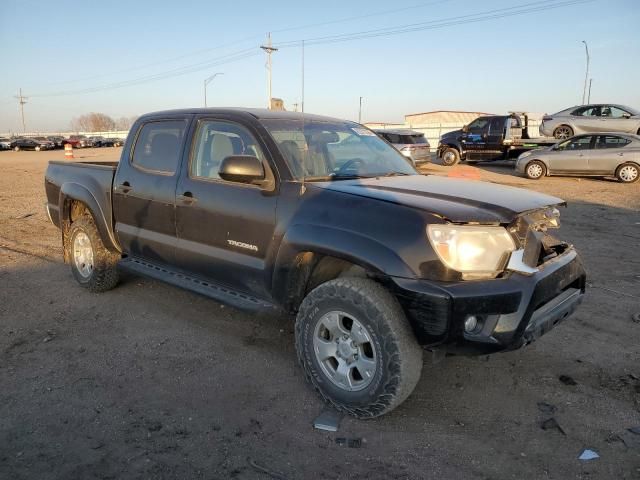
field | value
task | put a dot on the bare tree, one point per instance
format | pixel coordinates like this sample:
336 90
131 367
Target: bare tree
124 123
93 122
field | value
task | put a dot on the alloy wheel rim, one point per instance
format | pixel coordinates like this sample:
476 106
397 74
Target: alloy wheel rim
83 254
534 171
344 350
562 133
628 173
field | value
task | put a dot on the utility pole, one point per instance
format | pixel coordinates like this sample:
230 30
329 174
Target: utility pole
268 50
589 95
206 82
586 75
22 100
360 111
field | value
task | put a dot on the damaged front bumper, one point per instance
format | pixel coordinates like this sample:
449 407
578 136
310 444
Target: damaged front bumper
511 311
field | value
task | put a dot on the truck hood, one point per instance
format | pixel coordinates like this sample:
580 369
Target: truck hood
456 200
451 135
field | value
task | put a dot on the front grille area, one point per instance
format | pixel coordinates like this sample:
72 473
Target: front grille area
531 234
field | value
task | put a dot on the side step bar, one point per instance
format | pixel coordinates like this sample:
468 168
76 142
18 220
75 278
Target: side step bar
215 291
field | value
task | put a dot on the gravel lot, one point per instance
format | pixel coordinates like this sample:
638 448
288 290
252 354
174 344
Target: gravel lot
149 381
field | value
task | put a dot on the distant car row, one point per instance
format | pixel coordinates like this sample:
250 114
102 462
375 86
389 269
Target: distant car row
52 142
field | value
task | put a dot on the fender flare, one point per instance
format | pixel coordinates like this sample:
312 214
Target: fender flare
344 244
75 191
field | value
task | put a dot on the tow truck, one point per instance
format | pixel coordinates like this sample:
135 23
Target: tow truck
490 137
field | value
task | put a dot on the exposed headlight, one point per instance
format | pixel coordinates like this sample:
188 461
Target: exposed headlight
476 251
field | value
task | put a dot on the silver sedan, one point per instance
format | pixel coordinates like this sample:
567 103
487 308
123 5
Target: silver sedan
599 155
589 119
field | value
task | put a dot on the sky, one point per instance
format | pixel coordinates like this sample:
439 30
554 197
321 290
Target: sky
126 58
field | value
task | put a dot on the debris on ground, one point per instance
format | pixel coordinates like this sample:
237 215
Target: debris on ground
567 380
588 455
25 215
328 420
265 470
552 424
349 442
545 407
635 430
636 317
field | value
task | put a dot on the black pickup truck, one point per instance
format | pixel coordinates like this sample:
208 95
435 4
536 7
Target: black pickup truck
320 219
490 137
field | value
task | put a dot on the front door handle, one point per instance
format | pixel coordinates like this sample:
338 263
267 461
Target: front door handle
124 187
621 154
187 198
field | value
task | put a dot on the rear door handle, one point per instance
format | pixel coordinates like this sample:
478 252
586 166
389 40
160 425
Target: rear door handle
187 197
124 187
621 154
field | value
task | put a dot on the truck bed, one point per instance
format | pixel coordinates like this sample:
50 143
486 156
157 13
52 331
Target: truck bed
92 179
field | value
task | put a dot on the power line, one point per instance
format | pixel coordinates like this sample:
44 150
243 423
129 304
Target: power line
233 57
245 39
533 7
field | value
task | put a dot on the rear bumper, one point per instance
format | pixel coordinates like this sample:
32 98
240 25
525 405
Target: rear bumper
514 311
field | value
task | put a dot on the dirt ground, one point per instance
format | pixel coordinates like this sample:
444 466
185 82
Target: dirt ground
149 381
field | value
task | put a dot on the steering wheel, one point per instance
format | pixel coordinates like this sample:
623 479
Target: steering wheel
349 163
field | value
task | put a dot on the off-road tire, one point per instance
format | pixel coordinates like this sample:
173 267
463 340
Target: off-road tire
533 163
455 157
398 355
627 165
105 274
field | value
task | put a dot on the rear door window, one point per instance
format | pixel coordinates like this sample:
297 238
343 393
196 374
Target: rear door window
157 148
579 143
611 141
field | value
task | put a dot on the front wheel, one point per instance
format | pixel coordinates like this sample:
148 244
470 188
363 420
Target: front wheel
450 157
92 265
535 170
16 149
37 149
356 347
628 173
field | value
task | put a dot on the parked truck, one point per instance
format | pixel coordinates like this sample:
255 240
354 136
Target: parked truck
320 219
490 137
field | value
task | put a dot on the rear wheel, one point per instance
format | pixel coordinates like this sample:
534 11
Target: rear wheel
356 347
16 149
535 170
628 173
562 132
37 148
450 156
92 265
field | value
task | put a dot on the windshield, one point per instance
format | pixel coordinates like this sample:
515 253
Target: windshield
334 150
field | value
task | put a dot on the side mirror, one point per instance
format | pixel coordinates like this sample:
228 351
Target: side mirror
465 129
626 115
241 169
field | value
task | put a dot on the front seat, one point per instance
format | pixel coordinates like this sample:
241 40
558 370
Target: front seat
221 148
